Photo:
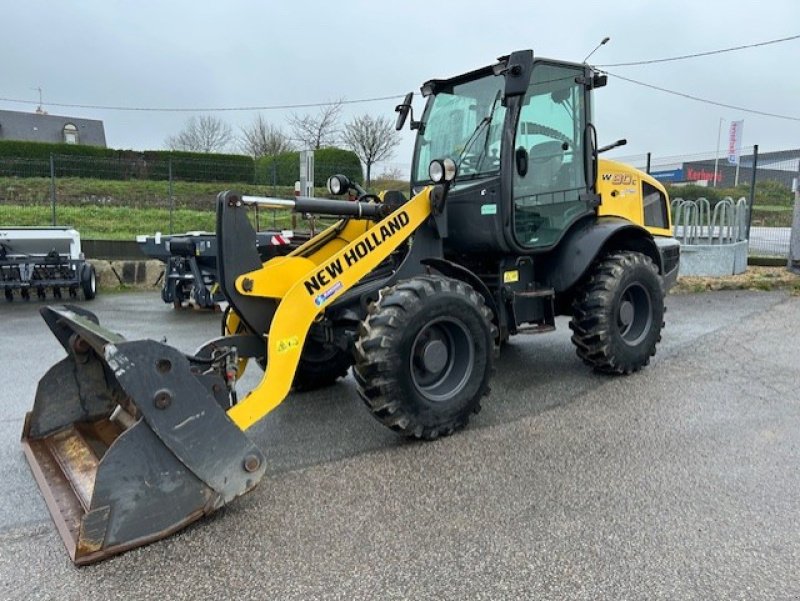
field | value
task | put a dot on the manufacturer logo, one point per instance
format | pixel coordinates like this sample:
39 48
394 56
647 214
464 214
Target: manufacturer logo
321 299
354 253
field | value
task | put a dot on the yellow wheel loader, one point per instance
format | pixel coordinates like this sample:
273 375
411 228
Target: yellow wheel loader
513 220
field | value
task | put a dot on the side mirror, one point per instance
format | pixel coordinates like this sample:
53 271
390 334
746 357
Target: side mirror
402 111
521 161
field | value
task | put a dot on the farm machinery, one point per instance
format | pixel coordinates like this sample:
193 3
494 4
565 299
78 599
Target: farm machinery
513 220
190 262
38 260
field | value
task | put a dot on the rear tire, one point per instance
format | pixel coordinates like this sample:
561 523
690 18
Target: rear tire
619 313
425 355
88 281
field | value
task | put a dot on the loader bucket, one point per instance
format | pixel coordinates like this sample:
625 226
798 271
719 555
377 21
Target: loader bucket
129 441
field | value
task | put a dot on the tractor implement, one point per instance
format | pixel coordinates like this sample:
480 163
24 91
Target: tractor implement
38 260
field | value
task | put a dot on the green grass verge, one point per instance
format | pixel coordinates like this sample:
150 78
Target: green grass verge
121 210
125 223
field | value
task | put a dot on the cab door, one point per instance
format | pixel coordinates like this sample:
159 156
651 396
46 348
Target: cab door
549 183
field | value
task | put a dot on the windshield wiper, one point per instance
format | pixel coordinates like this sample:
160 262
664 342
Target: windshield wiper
484 123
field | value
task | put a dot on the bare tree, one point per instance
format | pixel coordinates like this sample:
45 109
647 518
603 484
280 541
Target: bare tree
320 130
202 133
261 138
391 173
373 139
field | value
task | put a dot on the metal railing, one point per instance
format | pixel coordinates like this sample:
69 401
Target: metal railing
697 222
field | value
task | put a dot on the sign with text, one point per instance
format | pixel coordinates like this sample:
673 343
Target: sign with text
735 142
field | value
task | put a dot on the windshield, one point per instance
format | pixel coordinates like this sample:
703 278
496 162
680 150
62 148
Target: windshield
463 122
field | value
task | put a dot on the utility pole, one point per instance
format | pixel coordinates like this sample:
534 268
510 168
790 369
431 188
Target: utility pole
716 157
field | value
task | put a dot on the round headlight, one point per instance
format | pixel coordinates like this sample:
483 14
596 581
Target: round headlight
338 184
436 171
449 170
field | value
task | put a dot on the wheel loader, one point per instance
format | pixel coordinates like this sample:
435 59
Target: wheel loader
512 220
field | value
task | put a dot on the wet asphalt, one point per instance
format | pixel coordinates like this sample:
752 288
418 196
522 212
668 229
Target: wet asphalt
679 482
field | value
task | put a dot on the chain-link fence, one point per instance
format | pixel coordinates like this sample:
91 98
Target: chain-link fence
767 179
110 198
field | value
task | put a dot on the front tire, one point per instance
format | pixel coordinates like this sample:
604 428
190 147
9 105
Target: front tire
425 355
619 313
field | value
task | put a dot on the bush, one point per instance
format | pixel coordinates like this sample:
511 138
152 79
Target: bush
693 192
284 169
197 166
767 193
43 150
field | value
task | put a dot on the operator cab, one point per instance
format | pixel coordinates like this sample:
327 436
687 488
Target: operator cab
518 133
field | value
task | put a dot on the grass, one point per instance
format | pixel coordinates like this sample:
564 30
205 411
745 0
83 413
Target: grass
755 278
69 189
772 208
125 223
121 210
772 216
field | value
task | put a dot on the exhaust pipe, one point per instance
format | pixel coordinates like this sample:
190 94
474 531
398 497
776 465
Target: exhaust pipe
129 441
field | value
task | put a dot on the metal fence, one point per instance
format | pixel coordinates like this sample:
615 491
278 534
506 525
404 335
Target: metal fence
177 195
170 196
766 179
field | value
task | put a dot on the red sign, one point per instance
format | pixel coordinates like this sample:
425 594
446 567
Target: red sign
697 175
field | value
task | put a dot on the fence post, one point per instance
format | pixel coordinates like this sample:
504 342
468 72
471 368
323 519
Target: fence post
171 199
794 237
647 169
752 190
53 188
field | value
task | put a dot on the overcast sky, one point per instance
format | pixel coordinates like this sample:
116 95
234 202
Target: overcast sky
248 53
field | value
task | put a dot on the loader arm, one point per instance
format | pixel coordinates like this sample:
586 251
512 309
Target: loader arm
303 286
130 441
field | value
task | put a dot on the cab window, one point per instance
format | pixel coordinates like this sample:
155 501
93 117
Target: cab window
549 156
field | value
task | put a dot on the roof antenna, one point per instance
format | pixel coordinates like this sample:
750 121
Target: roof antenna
604 41
39 109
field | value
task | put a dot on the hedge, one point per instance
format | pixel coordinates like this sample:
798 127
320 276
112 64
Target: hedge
284 169
32 159
43 150
767 192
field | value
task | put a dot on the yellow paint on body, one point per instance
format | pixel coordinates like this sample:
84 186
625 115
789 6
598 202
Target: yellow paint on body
312 283
620 188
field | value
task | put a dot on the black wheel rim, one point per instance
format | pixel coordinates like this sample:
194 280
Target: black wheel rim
442 358
635 314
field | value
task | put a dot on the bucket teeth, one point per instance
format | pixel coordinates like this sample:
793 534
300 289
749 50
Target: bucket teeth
128 442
